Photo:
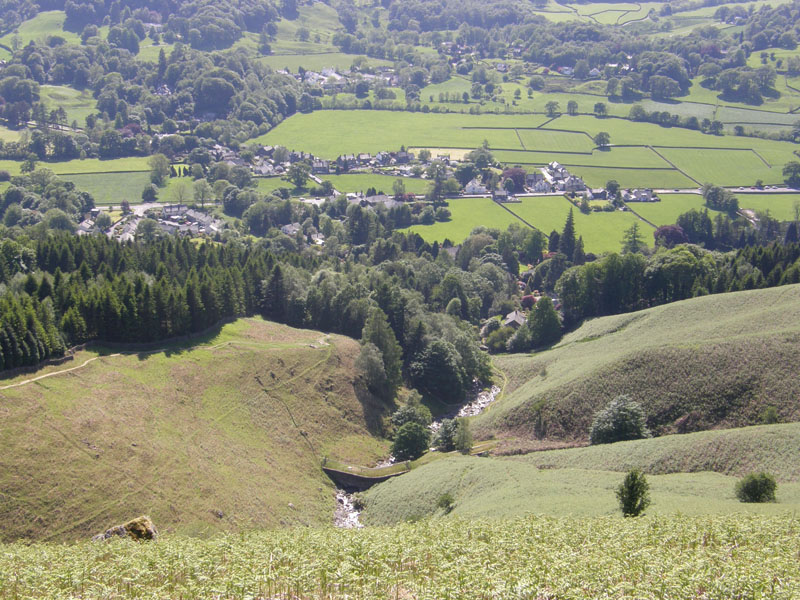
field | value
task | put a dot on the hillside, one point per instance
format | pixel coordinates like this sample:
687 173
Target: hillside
709 362
186 435
690 474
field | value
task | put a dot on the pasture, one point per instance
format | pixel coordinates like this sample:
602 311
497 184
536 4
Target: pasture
503 488
669 209
357 182
329 133
46 23
723 167
467 214
77 104
9 135
783 207
601 231
112 188
317 61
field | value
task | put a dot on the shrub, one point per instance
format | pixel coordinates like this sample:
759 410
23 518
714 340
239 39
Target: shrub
623 419
633 493
770 416
5 176
412 412
411 441
445 502
756 487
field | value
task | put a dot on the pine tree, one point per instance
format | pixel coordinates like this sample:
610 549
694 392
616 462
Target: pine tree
566 241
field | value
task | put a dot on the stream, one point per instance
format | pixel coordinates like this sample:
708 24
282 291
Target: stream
346 515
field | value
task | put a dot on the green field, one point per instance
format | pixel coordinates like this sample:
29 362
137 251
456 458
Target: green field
723 167
467 214
330 133
723 358
669 209
112 188
317 62
616 157
183 432
78 104
502 488
44 24
149 52
631 178
735 452
601 231
97 165
9 135
541 139
361 183
780 206
677 557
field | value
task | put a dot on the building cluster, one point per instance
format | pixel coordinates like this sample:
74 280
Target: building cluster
177 219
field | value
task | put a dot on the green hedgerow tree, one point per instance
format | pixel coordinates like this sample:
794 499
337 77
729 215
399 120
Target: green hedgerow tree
623 419
633 494
411 441
756 487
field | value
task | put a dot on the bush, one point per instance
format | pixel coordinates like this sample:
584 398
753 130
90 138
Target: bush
623 419
5 176
445 502
412 412
411 441
770 416
756 487
633 493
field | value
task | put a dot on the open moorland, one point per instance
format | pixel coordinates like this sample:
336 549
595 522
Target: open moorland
223 433
710 362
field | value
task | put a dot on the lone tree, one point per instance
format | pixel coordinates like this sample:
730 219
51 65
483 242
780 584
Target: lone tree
551 108
623 419
602 139
756 487
633 494
411 441
791 174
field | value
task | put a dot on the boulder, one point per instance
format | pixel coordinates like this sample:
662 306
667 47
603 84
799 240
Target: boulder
140 529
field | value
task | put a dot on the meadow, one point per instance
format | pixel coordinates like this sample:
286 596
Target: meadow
509 487
317 61
669 209
679 557
330 133
467 214
9 135
184 433
357 182
77 104
112 188
676 359
783 207
601 231
44 24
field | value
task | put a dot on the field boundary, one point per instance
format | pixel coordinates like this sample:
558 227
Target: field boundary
681 171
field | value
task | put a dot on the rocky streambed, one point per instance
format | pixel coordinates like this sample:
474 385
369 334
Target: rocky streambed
347 515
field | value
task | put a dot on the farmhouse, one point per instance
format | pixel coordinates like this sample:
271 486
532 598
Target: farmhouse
514 319
474 187
640 195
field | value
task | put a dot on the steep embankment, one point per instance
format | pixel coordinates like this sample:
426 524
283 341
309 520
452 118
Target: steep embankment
692 474
711 362
188 436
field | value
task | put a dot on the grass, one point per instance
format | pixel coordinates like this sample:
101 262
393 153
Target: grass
601 231
112 188
669 209
780 206
330 133
505 487
723 167
733 452
9 135
316 62
467 214
632 178
44 24
710 362
679 557
78 104
382 183
181 433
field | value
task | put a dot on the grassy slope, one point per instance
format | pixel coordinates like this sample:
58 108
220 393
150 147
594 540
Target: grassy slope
181 433
503 487
712 362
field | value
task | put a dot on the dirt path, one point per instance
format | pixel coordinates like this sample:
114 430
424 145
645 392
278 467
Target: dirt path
321 342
